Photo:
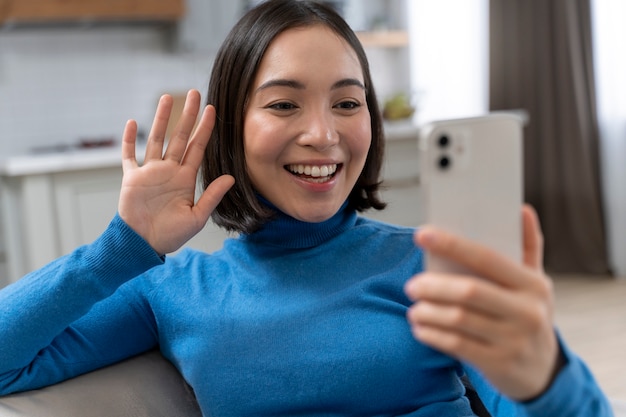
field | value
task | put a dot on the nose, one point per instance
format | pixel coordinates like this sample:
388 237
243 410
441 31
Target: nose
319 131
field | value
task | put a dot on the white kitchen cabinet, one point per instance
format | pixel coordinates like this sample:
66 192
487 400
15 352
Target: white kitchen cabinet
52 204
84 202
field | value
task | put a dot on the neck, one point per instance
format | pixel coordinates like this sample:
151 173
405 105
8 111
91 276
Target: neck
285 231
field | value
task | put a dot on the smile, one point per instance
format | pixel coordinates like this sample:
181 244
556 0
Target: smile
313 173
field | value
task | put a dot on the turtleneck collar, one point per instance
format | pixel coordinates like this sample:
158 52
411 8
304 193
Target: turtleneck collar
287 232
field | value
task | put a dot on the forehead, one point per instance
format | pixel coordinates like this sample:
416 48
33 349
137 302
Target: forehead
311 51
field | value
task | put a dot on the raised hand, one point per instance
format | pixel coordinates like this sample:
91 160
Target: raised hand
157 199
500 321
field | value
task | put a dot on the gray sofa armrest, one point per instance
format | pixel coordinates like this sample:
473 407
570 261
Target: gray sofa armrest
619 408
144 386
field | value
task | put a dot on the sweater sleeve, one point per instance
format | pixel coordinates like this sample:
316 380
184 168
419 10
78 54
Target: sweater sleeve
573 393
68 317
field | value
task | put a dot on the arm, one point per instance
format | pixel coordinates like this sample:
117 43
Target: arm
500 322
54 324
157 214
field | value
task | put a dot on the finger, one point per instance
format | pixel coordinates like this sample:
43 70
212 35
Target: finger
458 345
197 145
455 318
519 365
154 147
182 131
464 291
480 259
533 238
129 161
213 194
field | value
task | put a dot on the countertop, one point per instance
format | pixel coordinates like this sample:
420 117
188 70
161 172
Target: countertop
71 160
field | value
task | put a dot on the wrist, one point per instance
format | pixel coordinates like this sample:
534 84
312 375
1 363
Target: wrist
558 364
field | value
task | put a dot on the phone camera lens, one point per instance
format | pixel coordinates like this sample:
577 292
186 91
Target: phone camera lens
443 141
444 162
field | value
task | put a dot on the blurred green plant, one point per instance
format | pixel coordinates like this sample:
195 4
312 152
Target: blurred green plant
398 107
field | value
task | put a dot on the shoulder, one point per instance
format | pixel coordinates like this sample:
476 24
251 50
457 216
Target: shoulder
195 263
188 267
384 230
386 241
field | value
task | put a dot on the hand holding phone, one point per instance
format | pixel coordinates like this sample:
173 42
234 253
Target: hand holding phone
483 309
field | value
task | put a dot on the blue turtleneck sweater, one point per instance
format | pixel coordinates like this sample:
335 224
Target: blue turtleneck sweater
295 319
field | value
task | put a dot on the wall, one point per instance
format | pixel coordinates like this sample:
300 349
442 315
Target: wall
59 85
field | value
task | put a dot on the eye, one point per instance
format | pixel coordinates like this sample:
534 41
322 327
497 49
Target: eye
282 106
348 105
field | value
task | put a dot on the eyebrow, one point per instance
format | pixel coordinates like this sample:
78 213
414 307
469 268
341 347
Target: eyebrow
346 82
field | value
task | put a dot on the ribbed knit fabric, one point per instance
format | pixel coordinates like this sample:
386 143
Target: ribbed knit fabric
296 319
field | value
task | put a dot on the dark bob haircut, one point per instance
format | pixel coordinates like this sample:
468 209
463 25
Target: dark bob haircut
232 78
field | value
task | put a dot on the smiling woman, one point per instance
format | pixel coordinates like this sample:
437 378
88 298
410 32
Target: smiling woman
312 309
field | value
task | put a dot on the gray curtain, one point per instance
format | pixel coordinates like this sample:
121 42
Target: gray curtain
541 61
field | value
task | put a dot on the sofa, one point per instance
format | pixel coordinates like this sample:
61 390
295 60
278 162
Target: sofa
143 386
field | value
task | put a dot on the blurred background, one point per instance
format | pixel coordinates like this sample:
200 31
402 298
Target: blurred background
73 71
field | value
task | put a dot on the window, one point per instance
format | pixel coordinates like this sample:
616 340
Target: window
449 57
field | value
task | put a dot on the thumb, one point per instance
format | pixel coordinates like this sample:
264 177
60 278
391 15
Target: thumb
213 194
533 238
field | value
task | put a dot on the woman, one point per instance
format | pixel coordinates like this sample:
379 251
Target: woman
305 313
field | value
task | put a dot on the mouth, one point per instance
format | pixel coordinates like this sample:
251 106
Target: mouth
314 173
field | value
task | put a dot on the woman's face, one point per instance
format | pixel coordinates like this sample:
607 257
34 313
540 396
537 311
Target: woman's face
307 126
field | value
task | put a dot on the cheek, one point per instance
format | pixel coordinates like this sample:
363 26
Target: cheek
262 148
257 143
361 140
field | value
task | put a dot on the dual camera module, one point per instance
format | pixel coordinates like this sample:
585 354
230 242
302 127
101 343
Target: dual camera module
444 160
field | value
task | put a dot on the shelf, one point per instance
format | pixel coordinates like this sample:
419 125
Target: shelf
384 39
400 130
49 11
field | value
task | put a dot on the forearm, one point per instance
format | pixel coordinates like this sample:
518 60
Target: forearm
37 308
573 392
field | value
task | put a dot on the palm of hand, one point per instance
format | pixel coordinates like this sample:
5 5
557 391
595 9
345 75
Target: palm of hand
157 199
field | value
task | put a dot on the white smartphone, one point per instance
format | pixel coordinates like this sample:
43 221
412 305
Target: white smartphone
471 182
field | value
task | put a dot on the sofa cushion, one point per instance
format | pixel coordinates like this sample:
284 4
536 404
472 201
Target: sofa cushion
144 386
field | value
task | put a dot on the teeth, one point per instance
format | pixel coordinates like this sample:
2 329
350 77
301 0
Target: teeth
313 170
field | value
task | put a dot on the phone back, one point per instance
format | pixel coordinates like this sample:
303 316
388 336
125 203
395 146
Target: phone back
471 181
